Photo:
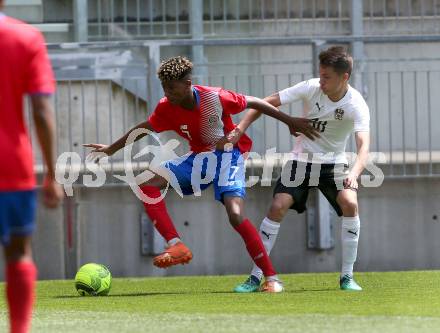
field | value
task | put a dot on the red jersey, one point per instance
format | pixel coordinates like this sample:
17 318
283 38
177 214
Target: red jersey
25 69
207 123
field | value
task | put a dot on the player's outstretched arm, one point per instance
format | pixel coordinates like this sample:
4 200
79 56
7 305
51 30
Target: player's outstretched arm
45 128
250 116
254 114
296 125
120 143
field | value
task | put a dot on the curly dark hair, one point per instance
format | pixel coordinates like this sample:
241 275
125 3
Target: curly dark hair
338 58
175 68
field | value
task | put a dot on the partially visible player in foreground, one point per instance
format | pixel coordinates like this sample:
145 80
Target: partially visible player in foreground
202 115
25 69
336 110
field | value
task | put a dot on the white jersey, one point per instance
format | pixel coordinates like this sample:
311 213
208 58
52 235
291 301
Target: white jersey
334 120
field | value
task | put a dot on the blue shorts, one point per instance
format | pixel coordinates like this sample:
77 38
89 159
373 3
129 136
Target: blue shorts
17 214
193 173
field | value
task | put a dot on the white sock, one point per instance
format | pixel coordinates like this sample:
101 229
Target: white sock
272 278
268 233
173 241
350 238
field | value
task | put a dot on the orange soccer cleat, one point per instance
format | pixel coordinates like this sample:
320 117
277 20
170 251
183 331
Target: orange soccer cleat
173 255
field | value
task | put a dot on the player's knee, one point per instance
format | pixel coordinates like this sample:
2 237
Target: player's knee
19 248
277 211
349 206
17 254
235 219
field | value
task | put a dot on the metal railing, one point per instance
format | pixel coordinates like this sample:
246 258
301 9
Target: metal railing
402 16
171 18
156 19
138 19
276 17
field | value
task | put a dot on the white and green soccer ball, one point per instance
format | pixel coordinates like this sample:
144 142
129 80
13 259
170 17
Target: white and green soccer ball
93 280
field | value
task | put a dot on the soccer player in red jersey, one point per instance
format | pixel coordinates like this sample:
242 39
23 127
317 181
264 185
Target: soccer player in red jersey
202 115
25 69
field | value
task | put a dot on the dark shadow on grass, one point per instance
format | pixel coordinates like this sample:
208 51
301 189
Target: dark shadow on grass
148 294
192 293
308 290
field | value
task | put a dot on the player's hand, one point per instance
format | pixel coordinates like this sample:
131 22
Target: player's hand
99 151
229 139
52 193
99 148
351 182
304 126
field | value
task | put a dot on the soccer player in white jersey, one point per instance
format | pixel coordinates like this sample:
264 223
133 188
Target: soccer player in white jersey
337 110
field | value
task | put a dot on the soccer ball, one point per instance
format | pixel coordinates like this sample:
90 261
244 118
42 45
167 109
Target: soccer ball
93 280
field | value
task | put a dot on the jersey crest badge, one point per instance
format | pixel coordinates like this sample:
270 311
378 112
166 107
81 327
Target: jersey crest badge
339 114
212 120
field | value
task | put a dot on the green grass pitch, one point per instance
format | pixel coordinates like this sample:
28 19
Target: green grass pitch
391 302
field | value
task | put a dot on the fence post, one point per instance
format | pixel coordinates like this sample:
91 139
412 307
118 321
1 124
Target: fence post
357 46
154 87
80 20
152 242
196 28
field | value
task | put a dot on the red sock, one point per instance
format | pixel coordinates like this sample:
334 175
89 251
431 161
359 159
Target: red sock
159 215
255 247
20 284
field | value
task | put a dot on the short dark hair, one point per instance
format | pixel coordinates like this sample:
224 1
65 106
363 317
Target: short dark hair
338 58
175 68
